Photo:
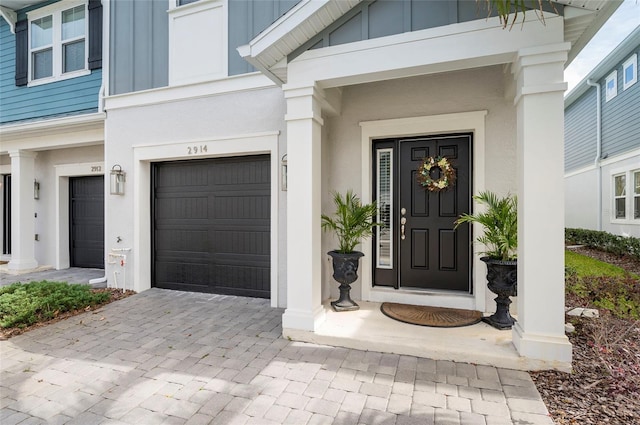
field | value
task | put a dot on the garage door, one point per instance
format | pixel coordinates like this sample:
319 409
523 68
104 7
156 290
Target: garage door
87 221
212 225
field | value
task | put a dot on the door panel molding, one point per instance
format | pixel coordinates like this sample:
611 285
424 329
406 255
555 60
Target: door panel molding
464 122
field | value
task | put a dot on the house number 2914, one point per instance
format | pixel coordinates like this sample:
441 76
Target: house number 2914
196 149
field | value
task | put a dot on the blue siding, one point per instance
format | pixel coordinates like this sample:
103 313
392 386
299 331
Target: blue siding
67 97
380 18
621 116
139 32
387 17
580 132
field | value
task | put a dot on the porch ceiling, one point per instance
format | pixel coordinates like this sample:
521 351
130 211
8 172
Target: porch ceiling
269 50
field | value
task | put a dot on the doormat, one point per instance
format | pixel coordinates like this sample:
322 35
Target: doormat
438 317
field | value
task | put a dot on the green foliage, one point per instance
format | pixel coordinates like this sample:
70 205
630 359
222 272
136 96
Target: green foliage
615 244
602 285
504 8
23 304
582 266
500 222
618 294
351 222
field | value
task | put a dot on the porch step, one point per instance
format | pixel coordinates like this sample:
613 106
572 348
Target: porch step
369 329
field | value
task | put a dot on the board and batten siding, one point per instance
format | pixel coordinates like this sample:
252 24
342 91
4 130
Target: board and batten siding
373 19
139 35
139 54
60 98
621 115
580 132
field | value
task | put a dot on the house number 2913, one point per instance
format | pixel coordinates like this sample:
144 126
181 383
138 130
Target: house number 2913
196 149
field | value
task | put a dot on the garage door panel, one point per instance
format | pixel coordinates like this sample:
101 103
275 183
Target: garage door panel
225 219
242 280
248 207
182 207
237 242
183 240
180 271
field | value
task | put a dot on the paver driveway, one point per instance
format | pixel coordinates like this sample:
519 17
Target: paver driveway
166 357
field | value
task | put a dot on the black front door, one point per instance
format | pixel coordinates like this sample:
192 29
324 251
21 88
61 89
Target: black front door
426 252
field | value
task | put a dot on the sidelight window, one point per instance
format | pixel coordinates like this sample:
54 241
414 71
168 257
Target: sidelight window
384 196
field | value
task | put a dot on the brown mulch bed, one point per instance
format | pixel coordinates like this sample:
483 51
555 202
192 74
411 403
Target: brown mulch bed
116 294
604 387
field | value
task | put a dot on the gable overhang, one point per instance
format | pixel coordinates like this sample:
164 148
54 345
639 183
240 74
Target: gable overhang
449 48
268 51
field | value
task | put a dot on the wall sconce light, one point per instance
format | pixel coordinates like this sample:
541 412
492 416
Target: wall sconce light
117 180
283 172
36 189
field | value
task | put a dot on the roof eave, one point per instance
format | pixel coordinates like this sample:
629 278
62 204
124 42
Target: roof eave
604 67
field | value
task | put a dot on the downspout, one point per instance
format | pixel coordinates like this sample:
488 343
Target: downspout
596 161
104 86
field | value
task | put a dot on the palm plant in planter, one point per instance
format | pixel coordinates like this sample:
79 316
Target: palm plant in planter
500 223
352 222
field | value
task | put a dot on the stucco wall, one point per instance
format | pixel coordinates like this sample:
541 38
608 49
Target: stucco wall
581 200
199 119
463 91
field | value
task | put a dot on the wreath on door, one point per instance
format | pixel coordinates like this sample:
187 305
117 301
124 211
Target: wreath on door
447 174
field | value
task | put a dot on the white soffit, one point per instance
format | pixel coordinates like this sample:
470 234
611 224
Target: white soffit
582 19
584 4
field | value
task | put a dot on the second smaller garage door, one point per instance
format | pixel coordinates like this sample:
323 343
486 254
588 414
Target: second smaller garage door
212 225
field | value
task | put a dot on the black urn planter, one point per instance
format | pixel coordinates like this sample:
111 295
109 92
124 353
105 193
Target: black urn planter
345 271
502 278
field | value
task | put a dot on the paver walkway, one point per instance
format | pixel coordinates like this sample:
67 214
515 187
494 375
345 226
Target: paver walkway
167 357
71 275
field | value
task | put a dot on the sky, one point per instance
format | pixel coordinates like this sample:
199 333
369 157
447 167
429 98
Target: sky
616 29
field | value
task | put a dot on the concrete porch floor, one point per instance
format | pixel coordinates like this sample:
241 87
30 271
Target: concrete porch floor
369 329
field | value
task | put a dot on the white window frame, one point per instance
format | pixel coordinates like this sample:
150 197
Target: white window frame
629 196
615 197
610 94
633 63
55 11
379 229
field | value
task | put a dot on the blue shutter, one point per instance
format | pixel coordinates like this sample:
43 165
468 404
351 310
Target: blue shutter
22 53
95 34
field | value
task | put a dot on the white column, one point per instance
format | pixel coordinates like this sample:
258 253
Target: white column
22 211
539 332
304 126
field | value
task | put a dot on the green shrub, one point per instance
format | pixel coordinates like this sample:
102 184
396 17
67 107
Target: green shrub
604 241
25 304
